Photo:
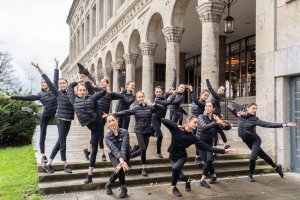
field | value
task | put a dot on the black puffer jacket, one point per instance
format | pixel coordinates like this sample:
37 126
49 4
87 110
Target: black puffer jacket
197 106
216 98
118 145
104 102
164 102
65 109
125 102
175 106
247 124
47 98
85 107
143 116
206 129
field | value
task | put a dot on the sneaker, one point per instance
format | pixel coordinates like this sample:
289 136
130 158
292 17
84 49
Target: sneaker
44 159
108 189
28 110
82 70
88 179
67 169
86 154
214 156
144 172
123 193
250 178
279 170
188 186
176 192
136 147
103 158
159 155
204 184
198 161
213 179
48 169
227 146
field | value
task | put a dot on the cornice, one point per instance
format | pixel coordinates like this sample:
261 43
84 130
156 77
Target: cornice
72 10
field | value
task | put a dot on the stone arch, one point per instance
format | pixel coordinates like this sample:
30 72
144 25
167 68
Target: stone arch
99 68
108 60
155 22
178 12
134 41
120 52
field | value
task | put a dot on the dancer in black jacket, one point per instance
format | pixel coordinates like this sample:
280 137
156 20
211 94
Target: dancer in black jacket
64 114
102 108
84 106
216 99
207 127
143 129
247 121
49 102
182 139
117 140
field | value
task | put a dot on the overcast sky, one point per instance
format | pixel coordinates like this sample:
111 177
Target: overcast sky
34 30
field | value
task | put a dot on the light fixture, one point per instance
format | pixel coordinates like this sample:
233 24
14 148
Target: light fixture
229 20
123 70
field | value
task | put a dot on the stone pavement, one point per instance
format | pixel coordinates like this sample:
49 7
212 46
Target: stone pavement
269 186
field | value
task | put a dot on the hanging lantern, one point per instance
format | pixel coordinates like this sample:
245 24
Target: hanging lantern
229 21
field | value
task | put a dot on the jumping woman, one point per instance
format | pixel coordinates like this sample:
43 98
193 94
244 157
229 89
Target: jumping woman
143 129
117 140
64 114
247 122
208 126
181 140
84 106
49 102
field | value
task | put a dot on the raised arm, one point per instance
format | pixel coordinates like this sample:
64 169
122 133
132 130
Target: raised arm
100 93
212 91
201 145
174 78
268 124
203 125
165 102
169 124
71 92
24 98
120 77
195 100
56 73
116 96
89 87
126 112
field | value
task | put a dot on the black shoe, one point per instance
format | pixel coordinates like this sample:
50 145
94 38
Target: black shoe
28 110
198 161
136 147
82 70
212 180
214 156
279 170
144 172
44 159
103 158
108 189
159 155
48 169
188 186
88 179
204 184
123 193
250 178
227 146
176 192
86 154
67 169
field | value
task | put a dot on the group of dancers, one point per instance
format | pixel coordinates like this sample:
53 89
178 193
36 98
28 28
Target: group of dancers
91 103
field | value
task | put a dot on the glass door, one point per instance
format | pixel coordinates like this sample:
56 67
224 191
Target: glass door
295 117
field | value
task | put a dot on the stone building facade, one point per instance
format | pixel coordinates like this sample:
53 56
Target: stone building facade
150 36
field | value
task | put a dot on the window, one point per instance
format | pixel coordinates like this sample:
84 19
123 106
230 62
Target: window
160 72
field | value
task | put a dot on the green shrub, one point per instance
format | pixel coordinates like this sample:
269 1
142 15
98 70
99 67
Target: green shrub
15 124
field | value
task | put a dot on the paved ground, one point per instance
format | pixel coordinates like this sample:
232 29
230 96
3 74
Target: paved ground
265 187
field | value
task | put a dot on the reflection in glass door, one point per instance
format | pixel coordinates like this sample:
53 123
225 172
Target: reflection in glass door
295 117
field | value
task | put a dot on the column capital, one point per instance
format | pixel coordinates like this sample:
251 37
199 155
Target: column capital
148 48
130 58
173 33
114 66
210 11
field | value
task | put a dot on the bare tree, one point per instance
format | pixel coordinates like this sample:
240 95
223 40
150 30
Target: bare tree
8 80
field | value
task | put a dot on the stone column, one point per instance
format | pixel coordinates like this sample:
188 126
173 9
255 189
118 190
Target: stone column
130 61
210 13
114 84
148 51
173 38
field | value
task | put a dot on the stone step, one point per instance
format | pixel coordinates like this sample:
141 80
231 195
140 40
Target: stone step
137 179
152 168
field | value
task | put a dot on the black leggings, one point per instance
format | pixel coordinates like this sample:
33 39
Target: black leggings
207 157
223 136
143 141
63 130
176 170
254 144
120 174
174 116
156 124
194 132
45 120
95 134
124 122
101 145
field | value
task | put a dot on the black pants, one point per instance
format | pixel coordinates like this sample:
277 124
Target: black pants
194 132
101 145
95 134
176 170
254 144
143 141
63 130
43 130
38 116
223 136
156 124
207 157
120 175
124 122
174 116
